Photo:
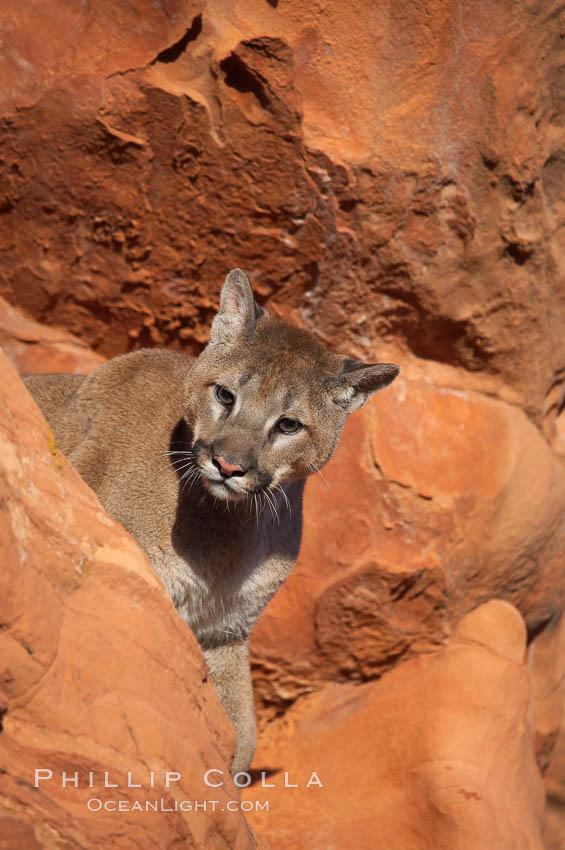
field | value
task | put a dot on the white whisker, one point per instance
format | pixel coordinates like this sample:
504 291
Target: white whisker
273 505
189 470
285 497
183 452
269 505
177 461
258 509
191 475
320 473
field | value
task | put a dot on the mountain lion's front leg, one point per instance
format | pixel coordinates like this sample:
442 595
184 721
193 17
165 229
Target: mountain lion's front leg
231 677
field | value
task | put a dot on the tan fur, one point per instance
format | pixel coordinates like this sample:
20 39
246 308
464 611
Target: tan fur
145 431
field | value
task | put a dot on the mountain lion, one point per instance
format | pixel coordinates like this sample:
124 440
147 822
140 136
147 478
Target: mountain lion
204 461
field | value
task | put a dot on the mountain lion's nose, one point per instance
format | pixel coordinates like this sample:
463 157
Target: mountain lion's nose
226 468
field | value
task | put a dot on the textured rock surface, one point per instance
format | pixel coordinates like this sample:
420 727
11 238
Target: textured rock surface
36 348
97 672
392 185
547 667
397 188
437 500
549 676
554 831
437 754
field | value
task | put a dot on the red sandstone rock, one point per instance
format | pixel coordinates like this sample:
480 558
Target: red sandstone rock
436 754
97 671
546 663
437 500
35 348
393 185
554 829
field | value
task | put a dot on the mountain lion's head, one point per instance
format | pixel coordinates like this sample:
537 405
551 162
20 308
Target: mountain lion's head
266 403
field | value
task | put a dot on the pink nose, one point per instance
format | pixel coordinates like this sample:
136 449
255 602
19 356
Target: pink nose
227 468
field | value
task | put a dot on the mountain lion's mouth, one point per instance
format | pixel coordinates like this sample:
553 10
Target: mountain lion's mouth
238 487
222 488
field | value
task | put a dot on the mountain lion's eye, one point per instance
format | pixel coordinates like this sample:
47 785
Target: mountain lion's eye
289 426
223 395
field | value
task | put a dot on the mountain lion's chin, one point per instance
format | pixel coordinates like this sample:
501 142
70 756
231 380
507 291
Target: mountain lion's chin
222 490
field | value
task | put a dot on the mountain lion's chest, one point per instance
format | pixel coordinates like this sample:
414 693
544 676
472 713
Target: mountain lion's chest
221 586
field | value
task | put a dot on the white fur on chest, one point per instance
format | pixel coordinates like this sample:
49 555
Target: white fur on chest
224 603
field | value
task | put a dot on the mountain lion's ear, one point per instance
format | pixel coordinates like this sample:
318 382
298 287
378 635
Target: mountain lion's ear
360 380
238 311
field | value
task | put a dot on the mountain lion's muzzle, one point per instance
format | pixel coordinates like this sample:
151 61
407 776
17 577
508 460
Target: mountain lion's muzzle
227 474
